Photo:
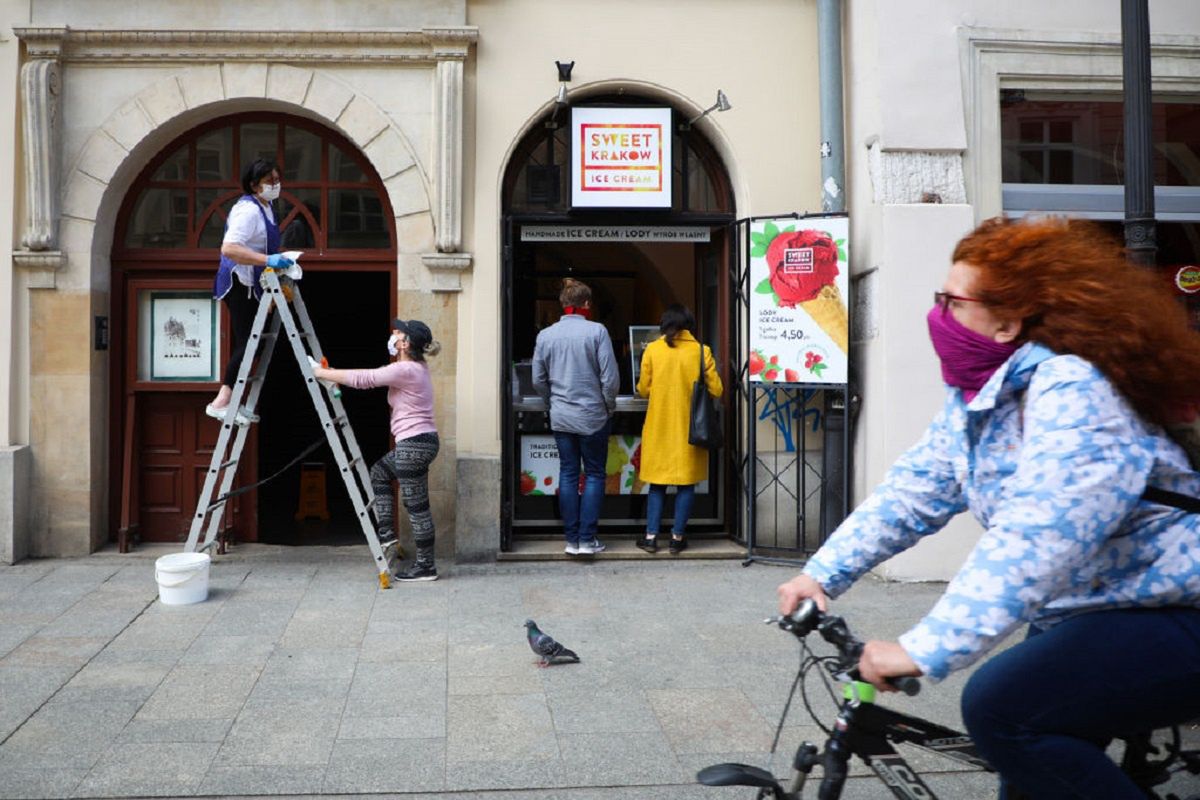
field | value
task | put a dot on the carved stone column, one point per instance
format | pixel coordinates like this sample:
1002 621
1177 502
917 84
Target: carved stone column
40 106
448 116
40 92
449 262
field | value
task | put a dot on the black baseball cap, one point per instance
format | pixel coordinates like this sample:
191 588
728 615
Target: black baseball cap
418 332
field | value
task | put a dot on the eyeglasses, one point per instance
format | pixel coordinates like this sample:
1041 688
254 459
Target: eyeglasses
942 300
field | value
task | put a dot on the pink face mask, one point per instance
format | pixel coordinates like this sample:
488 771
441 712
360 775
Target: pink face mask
968 358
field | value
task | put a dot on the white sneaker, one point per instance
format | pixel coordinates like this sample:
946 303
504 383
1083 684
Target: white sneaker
591 548
571 549
241 418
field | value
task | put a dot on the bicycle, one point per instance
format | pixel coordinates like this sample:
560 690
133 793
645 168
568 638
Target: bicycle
869 731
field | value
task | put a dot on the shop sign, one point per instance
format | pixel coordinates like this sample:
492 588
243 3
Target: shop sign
799 329
1188 279
613 233
621 157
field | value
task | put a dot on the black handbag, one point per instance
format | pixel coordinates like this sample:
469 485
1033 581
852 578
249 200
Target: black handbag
704 423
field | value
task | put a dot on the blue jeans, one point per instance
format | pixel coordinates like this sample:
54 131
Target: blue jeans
658 498
580 516
1043 711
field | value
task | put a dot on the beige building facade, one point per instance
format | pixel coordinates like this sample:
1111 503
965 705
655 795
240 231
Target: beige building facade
120 178
424 123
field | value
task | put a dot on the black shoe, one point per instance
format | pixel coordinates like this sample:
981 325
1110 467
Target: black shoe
648 543
677 546
418 572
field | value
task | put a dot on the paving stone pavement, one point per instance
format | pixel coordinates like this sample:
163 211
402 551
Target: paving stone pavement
298 676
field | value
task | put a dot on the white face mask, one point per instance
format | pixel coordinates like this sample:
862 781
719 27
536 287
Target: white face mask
394 345
270 191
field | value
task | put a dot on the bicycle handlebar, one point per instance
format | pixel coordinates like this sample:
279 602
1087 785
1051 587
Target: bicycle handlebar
808 618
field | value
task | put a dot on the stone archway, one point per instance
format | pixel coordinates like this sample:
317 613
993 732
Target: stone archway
69 384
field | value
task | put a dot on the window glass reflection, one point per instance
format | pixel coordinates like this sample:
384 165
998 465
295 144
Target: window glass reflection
343 168
259 140
302 155
160 219
356 219
174 168
214 156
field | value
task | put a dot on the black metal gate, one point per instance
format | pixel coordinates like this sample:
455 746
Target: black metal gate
794 473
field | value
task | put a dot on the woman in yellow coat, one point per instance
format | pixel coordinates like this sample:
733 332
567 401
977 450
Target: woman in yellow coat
670 365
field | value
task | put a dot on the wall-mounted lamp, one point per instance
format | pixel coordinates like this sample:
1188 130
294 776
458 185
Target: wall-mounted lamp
561 100
722 104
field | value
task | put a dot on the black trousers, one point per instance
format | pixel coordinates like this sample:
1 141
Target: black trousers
242 308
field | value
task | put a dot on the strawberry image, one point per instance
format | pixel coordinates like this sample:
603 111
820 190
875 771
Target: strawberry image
547 480
528 482
771 374
791 376
814 363
775 360
756 362
636 458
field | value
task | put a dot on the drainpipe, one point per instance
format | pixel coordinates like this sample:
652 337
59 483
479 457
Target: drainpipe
1140 238
833 161
835 488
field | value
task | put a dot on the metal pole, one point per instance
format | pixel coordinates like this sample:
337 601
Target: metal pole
1140 236
829 59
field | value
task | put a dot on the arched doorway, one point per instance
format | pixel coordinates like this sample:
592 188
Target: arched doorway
546 239
165 250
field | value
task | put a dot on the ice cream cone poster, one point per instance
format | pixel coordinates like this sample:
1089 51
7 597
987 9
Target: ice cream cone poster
799 320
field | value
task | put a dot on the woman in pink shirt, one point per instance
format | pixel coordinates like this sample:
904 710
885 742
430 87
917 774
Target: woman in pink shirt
410 394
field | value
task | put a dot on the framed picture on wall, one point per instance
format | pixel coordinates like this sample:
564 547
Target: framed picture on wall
182 335
639 337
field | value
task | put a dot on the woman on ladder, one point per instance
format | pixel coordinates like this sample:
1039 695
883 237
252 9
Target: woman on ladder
410 394
251 243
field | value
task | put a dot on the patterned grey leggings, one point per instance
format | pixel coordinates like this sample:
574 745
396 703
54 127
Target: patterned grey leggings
407 464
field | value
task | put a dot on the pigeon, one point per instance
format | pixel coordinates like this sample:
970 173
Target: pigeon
549 652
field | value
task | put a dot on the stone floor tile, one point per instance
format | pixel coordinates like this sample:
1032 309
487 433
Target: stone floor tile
214 649
226 779
55 651
24 689
176 730
490 659
200 692
530 773
12 634
329 664
133 682
602 711
24 783
710 720
389 648
521 683
404 723
323 634
619 759
304 743
149 769
387 765
499 728
279 699
69 735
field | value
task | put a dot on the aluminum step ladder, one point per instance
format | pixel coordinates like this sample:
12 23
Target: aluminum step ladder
282 294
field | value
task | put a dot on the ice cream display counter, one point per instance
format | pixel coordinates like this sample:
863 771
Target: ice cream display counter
535 505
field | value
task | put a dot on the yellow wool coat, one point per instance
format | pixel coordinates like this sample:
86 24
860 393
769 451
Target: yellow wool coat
666 378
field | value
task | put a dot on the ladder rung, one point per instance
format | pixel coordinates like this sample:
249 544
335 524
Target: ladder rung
354 462
338 422
370 504
229 463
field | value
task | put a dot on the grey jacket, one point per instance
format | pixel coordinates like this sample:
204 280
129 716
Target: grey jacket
575 372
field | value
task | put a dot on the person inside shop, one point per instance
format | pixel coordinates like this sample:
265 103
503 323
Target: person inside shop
575 372
670 366
410 395
251 244
1063 363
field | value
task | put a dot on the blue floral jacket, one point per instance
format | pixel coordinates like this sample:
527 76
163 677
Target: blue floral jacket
1052 461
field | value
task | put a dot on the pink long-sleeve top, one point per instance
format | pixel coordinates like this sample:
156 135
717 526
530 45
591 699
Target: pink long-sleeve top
410 394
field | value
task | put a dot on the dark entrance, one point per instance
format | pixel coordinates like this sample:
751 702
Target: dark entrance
334 208
632 283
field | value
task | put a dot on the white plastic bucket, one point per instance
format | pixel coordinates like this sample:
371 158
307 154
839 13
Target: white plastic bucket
182 578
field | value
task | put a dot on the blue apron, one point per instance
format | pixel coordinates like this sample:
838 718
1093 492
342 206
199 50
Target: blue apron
225 276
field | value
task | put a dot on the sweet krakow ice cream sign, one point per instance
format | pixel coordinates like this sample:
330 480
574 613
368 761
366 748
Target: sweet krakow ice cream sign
799 329
621 157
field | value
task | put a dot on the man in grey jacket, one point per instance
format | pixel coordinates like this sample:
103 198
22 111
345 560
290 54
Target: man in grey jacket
575 372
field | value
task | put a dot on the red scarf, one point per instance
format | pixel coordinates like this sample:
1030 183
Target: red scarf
583 311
